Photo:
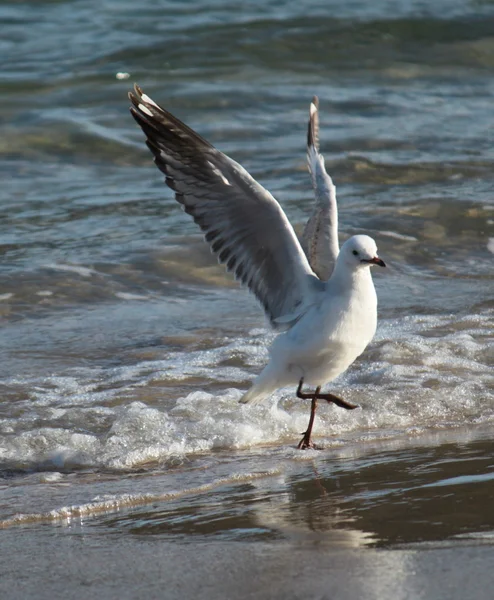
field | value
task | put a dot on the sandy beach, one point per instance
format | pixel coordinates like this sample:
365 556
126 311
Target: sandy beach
398 519
50 566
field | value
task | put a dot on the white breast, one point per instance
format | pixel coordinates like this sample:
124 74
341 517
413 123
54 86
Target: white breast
330 336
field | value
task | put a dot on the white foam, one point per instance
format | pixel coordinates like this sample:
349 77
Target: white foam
111 503
422 372
399 236
129 296
53 477
80 270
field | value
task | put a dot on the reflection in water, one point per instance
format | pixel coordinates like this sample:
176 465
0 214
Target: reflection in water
310 513
423 494
437 490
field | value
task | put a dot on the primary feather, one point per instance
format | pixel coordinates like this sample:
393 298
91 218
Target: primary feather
244 225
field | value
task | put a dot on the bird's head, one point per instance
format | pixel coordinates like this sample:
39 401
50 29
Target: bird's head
360 251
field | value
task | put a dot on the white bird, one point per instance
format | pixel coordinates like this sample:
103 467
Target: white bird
327 324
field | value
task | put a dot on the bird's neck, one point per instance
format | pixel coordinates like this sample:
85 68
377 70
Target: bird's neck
355 290
354 284
351 277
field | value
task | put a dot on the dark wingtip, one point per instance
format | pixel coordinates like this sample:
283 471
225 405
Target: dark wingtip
135 95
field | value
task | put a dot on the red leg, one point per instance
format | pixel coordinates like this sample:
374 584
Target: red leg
327 396
338 401
306 442
302 395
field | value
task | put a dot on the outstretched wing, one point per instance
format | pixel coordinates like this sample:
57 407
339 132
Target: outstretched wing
320 237
244 225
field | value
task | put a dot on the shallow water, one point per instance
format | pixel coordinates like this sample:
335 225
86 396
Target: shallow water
123 355
432 489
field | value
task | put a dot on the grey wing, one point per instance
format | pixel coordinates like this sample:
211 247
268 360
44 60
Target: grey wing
320 237
244 225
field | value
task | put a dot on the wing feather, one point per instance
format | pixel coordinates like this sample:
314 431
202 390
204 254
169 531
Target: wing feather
320 236
244 225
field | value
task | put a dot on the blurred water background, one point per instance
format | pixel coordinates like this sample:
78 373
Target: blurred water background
125 348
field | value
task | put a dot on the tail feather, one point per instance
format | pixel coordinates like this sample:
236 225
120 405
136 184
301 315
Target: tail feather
261 389
253 396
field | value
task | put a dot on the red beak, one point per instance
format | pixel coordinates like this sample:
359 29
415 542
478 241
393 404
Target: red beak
375 261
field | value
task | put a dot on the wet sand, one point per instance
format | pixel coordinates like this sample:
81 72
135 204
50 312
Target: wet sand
45 564
399 519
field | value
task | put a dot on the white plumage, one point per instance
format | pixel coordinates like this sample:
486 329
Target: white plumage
334 330
322 297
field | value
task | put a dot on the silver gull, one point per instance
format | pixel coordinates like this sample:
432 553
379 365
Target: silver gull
321 298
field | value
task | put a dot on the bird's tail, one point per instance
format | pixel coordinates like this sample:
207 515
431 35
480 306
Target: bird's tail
262 387
253 396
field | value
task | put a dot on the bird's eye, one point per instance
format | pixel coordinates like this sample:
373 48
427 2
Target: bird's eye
355 253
